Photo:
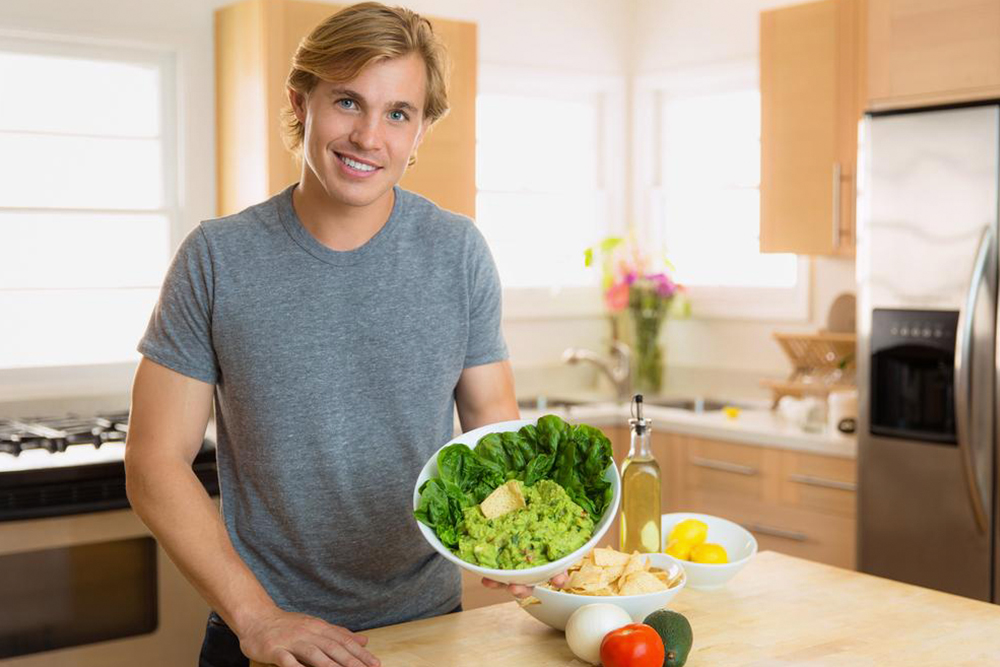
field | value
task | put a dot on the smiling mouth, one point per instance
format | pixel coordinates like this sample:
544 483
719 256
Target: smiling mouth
356 165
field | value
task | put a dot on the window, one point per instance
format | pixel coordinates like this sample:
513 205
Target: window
86 207
548 171
704 207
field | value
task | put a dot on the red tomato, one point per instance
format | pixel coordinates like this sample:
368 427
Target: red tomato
633 645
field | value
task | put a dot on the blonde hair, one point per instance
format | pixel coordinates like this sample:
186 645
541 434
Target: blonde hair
355 37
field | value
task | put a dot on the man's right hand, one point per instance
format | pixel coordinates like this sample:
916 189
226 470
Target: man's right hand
288 639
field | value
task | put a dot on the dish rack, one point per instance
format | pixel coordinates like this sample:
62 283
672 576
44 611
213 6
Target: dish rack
822 362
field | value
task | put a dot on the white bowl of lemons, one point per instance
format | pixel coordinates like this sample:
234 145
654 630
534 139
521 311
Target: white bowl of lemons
709 548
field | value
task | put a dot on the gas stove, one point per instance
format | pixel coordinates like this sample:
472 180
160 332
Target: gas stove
71 465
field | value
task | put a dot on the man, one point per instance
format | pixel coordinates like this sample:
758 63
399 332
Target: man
336 326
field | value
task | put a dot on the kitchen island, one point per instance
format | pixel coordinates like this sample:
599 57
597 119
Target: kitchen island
778 610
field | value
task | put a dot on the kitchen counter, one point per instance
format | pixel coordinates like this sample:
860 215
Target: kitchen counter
778 611
756 426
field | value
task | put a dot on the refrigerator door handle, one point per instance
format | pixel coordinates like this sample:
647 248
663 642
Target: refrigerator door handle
963 377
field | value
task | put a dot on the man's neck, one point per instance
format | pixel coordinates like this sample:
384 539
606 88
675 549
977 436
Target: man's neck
336 225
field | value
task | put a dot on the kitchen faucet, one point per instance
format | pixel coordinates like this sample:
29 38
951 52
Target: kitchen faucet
618 367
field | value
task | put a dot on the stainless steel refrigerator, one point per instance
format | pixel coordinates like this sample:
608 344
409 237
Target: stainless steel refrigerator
927 360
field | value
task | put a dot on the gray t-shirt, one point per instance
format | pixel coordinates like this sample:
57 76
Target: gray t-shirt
334 377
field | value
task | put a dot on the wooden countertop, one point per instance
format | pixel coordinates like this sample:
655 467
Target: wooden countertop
778 611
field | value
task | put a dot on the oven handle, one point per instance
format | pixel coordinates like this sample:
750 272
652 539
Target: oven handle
963 377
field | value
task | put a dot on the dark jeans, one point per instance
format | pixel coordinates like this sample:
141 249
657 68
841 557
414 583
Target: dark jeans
221 647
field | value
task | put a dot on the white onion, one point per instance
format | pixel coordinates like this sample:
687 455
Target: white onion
586 628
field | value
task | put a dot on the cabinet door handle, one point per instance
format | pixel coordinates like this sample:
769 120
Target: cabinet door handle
777 532
825 483
836 205
725 466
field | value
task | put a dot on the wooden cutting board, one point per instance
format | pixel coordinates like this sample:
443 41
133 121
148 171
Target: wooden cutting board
778 611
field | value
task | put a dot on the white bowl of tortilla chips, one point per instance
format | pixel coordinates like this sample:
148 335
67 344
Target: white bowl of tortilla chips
638 583
528 576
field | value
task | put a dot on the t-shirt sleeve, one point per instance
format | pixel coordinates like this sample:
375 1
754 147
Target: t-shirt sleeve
486 341
179 334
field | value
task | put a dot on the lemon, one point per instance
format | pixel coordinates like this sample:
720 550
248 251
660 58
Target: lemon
714 554
679 549
689 530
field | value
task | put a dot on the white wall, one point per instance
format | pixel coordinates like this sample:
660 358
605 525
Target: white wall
675 33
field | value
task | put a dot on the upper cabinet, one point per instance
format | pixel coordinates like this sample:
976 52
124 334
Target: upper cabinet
254 44
923 52
811 78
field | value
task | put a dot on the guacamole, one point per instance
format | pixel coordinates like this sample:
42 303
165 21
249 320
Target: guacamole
549 527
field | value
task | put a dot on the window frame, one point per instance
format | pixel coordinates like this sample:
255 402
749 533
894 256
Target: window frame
49 381
707 302
550 303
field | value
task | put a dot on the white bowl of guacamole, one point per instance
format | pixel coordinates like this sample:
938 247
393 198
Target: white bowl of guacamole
551 529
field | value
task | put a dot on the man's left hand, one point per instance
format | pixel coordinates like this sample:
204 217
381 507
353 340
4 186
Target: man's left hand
521 591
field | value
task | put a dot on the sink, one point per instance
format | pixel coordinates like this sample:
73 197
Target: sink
694 405
691 404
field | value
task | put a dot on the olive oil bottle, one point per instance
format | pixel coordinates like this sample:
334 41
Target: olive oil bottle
640 523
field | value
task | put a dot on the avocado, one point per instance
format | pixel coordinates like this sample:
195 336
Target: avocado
675 631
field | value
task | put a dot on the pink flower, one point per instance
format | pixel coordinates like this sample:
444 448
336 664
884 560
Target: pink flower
616 298
665 287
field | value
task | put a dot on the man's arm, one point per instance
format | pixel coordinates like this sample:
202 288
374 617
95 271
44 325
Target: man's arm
485 395
166 426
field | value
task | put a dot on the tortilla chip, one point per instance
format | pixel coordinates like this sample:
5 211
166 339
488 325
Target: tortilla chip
614 572
587 577
525 602
639 583
504 499
605 556
636 563
662 576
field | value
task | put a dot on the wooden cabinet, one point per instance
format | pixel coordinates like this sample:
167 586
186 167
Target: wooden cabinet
254 44
620 437
923 52
798 503
475 595
810 81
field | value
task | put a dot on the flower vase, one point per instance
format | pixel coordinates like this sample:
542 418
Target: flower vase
647 351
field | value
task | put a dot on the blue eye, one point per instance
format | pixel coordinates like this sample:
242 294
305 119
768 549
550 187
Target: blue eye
346 103
398 115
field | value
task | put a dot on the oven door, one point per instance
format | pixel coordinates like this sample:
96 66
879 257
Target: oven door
94 590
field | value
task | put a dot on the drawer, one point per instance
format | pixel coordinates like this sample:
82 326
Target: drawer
668 449
818 537
823 484
620 438
721 471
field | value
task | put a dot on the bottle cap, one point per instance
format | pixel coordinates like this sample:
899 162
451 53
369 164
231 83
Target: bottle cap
638 423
